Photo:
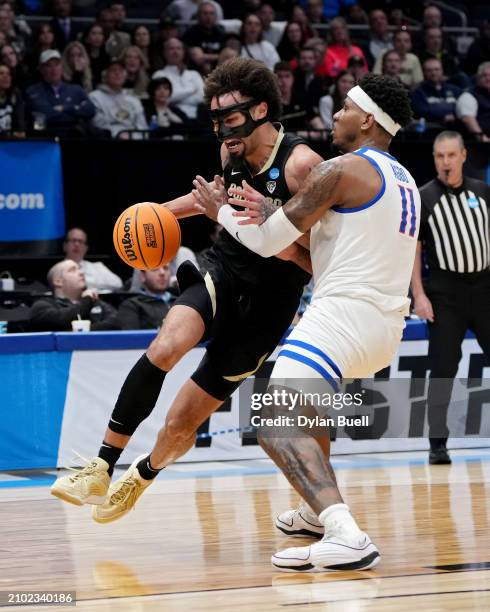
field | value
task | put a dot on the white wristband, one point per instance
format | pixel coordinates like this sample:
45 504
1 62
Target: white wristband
268 239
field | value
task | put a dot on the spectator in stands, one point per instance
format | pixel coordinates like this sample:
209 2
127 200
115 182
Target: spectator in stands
435 99
206 38
116 41
63 105
227 54
42 40
16 38
116 110
332 103
306 83
148 309
183 254
380 39
356 67
76 66
20 73
411 71
71 300
94 42
298 15
142 40
432 17
340 48
434 48
20 24
187 85
136 65
160 114
392 64
291 42
12 110
473 106
315 13
186 10
271 32
297 112
479 50
356 15
119 12
97 274
319 46
252 44
65 29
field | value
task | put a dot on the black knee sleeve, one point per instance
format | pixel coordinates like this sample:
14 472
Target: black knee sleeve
137 397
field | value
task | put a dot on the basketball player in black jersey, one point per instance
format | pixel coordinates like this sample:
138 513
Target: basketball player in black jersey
242 303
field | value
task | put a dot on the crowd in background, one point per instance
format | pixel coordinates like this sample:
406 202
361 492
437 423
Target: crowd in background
105 78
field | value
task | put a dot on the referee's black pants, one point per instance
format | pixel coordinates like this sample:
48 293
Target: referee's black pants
460 302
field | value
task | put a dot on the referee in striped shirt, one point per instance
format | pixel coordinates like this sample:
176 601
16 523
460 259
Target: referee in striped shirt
454 234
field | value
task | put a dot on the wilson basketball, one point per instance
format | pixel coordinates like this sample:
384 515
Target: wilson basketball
146 236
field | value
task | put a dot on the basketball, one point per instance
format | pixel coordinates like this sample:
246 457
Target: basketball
146 236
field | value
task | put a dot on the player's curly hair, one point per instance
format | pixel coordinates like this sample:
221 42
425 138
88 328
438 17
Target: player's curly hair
390 95
248 76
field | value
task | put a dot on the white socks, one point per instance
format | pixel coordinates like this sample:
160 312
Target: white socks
338 521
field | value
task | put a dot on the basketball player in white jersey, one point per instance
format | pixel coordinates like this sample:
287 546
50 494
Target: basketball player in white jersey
363 212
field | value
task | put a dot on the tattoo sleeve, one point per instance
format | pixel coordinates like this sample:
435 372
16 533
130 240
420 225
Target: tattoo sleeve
318 194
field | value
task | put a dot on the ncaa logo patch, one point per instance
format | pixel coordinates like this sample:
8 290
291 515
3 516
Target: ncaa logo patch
271 185
473 202
274 173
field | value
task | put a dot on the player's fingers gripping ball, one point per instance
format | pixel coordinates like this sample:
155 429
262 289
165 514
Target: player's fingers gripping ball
146 236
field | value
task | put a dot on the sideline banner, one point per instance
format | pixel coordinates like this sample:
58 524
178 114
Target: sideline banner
31 192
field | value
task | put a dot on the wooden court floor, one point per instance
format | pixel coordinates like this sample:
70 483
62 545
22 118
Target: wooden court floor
201 537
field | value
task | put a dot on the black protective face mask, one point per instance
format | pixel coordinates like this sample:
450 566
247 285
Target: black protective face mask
241 131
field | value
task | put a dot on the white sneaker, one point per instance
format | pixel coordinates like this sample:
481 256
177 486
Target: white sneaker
332 553
88 485
300 523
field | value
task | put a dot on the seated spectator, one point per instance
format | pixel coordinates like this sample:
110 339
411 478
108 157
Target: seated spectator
119 13
432 17
183 254
97 274
21 27
42 40
473 106
136 65
94 42
252 44
71 300
340 48
206 38
380 37
411 70
167 29
63 105
434 47
142 40
315 11
76 66
435 99
187 85
65 29
306 83
20 74
291 43
227 54
12 111
319 46
332 103
148 309
298 15
15 37
271 32
297 113
355 66
185 10
116 41
160 114
479 51
392 64
116 110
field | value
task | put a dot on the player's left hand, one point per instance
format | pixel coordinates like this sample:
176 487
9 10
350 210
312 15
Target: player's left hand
209 197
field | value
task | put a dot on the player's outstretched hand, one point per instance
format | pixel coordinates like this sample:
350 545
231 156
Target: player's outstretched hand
257 207
423 308
209 197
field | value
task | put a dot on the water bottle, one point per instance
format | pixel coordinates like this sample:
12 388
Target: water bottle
153 123
420 126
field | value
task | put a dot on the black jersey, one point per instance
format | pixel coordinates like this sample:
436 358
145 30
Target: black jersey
271 182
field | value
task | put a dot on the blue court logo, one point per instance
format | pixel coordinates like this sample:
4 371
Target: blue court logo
274 173
473 202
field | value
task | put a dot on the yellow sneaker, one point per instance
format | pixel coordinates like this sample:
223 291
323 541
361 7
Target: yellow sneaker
86 486
122 496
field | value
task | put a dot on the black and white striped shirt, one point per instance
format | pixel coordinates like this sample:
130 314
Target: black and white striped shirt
455 226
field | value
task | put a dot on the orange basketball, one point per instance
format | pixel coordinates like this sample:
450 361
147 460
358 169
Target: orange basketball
146 236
